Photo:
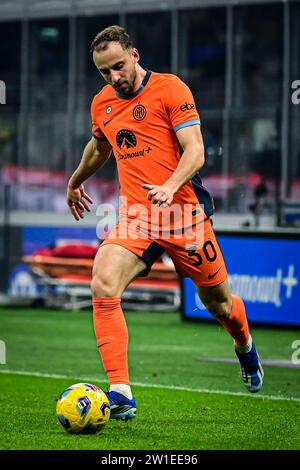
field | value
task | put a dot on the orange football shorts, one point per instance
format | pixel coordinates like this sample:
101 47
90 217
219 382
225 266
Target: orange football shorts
199 258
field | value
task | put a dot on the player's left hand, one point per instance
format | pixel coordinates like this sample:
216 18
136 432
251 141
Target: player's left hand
159 195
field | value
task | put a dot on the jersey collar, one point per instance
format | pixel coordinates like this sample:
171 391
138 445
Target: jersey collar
144 83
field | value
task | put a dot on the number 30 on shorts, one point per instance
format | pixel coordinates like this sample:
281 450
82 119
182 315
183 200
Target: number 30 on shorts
209 251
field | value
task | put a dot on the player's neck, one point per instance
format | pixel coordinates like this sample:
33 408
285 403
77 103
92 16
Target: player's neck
140 75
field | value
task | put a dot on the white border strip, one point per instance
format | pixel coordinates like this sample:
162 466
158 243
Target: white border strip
141 384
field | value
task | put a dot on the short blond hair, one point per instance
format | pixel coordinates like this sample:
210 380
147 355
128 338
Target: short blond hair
113 33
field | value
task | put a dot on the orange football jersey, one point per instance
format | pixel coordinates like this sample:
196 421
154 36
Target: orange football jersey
141 129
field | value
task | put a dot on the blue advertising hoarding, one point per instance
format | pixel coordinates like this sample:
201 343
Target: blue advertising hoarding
38 237
265 272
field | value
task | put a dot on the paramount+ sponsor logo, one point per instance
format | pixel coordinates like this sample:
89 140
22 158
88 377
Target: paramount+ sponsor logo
126 140
187 106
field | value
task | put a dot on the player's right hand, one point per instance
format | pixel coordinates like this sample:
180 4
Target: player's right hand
76 202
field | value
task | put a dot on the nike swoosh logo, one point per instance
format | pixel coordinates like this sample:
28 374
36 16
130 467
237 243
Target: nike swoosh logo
210 276
106 122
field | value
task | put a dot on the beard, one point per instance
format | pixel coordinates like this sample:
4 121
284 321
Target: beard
130 84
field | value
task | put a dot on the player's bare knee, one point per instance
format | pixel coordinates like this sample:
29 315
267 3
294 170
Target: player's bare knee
104 286
220 310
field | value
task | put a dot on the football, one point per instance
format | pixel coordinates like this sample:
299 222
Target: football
83 408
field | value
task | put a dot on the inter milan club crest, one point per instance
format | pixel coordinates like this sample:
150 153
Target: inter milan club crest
139 112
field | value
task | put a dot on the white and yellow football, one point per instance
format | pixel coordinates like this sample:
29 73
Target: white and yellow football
83 408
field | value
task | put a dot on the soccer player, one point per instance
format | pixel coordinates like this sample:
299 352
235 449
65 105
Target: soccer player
151 123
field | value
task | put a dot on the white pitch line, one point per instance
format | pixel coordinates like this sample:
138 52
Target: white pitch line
141 384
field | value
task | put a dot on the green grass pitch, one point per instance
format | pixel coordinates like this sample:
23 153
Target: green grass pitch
184 402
